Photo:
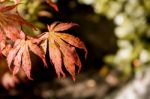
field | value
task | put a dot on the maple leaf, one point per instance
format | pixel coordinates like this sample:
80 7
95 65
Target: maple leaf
20 56
10 26
10 23
62 48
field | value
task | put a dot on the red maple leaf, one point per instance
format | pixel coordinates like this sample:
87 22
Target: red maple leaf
62 48
20 56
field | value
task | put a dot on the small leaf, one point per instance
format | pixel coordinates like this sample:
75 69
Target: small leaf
52 4
20 54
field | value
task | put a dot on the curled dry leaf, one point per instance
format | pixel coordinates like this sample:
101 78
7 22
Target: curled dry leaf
62 48
19 56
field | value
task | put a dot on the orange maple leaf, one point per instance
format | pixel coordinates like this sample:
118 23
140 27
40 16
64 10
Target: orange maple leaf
10 23
62 48
21 56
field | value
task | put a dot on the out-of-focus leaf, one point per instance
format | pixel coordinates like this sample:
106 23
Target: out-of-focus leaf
11 22
9 81
53 5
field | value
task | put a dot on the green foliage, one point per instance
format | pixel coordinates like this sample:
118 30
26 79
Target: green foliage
132 29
